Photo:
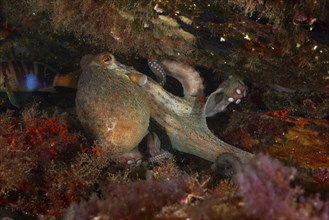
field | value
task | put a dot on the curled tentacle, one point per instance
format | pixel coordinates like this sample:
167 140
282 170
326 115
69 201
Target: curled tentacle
230 91
163 155
158 71
153 144
131 158
154 149
189 78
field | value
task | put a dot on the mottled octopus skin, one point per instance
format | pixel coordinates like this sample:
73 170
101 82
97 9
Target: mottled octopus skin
185 123
111 108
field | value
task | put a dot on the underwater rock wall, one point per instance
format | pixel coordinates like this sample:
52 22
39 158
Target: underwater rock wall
277 45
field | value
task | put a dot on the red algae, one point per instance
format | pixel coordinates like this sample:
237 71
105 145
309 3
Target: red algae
266 193
322 177
301 141
134 200
306 147
35 152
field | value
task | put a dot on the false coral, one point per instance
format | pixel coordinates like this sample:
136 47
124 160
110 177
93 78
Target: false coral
134 199
43 136
221 203
42 169
261 190
266 193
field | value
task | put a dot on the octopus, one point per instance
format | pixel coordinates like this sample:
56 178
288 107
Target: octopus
111 108
115 102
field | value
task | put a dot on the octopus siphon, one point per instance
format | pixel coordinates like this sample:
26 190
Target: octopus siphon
115 102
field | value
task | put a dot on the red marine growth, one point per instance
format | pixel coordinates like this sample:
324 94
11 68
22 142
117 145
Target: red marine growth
31 147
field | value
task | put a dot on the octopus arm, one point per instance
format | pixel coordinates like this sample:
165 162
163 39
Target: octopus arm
157 93
189 78
230 91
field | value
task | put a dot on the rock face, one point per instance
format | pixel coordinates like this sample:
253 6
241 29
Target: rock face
111 108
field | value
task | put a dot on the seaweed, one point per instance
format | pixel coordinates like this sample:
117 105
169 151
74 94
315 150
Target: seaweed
134 199
261 189
42 168
264 186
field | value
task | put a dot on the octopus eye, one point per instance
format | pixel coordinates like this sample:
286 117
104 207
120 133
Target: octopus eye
107 59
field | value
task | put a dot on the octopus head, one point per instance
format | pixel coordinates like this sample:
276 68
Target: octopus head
106 60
